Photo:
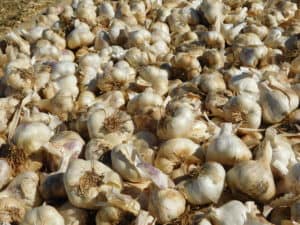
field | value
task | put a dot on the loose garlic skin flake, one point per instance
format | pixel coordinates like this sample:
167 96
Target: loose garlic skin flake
227 148
43 215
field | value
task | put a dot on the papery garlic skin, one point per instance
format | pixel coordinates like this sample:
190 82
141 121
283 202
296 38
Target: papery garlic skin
226 148
108 215
206 186
80 36
166 204
45 214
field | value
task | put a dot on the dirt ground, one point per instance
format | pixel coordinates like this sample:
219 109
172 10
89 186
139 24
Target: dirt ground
15 12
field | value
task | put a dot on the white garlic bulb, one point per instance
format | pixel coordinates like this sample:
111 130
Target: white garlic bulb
231 213
226 148
45 214
176 152
277 100
261 188
31 136
243 109
166 204
205 185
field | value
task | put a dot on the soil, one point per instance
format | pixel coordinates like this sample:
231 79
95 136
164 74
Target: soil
13 13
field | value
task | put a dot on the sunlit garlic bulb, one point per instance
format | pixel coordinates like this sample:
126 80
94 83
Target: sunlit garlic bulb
73 215
226 148
5 173
277 100
44 214
232 213
166 204
243 109
80 36
261 188
24 188
31 136
180 152
205 184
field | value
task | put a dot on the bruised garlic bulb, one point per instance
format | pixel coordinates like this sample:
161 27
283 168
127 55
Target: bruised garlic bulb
24 188
261 188
226 148
46 215
31 136
277 100
166 204
205 185
180 152
243 109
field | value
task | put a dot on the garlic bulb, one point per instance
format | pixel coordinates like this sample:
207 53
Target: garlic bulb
96 148
45 214
61 148
166 204
213 12
226 148
85 180
123 159
73 215
205 185
108 215
146 109
127 162
156 77
24 188
11 210
283 156
113 125
240 177
31 136
5 173
231 213
176 152
277 100
243 109
80 36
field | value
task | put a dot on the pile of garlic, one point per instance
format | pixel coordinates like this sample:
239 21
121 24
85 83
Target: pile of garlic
151 112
